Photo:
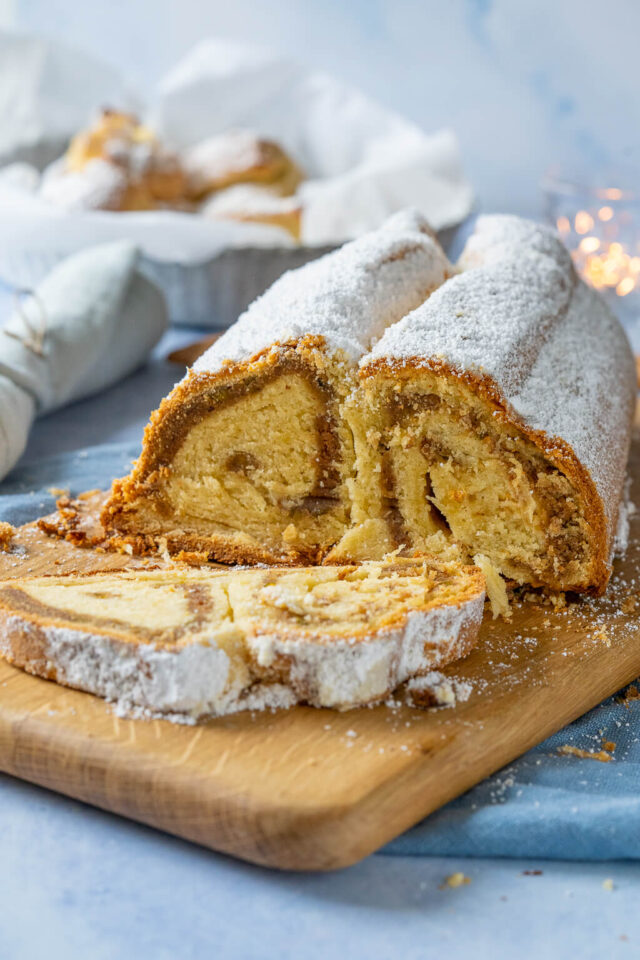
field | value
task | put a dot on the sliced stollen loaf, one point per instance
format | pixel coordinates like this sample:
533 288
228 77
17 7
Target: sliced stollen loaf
340 420
249 459
193 643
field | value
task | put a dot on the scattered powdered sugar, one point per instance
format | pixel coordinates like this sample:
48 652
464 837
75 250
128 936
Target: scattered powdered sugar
348 297
560 359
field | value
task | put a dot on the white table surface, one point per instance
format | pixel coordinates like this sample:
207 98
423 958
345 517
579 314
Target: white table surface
79 884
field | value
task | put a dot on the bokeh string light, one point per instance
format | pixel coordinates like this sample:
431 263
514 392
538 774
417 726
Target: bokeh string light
600 227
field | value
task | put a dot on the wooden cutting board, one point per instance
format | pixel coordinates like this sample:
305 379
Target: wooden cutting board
313 789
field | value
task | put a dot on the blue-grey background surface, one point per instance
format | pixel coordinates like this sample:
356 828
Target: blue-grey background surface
526 84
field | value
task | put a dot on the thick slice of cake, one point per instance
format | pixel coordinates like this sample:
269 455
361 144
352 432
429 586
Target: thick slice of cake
249 458
499 412
202 642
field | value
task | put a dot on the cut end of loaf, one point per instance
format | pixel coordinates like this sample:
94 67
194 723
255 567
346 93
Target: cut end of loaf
249 465
454 463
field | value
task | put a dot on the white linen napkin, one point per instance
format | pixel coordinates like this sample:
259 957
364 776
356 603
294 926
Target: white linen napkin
92 321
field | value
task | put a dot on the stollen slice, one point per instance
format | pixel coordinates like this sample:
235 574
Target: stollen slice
194 643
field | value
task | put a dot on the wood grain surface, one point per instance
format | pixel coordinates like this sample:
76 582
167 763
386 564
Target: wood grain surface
314 789
185 356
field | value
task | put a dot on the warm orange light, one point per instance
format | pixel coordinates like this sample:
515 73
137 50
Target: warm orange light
625 286
589 244
583 221
606 265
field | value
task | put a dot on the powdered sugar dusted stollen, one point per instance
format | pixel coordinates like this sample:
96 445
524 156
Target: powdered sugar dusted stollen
249 458
495 417
195 643
518 327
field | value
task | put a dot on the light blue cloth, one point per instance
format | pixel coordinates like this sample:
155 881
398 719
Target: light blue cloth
544 805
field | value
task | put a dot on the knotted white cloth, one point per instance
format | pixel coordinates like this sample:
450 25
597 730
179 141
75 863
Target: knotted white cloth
92 321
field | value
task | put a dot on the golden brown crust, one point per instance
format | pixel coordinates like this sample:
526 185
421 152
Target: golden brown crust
116 138
287 220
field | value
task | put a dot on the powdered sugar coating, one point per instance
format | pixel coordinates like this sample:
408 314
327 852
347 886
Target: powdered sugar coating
519 315
349 297
348 672
221 156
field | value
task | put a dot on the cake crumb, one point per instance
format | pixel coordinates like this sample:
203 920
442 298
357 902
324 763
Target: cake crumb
7 533
609 746
455 880
629 603
58 491
434 689
568 750
162 546
289 534
558 601
496 587
608 884
193 558
630 694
